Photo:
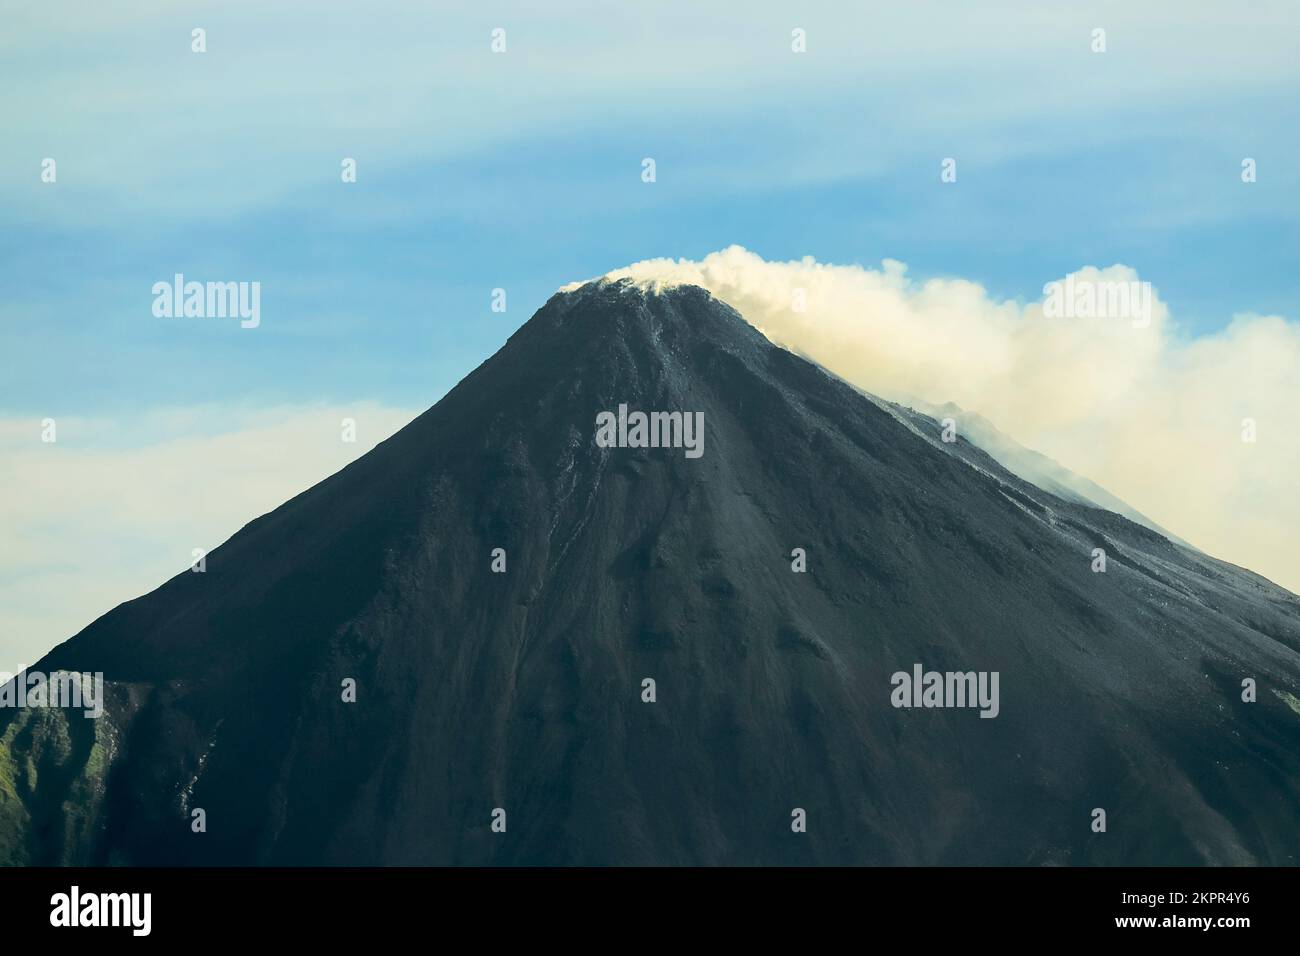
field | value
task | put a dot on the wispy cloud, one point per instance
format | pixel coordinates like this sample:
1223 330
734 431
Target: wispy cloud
114 507
144 125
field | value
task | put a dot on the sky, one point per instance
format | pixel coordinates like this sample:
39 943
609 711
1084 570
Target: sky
522 170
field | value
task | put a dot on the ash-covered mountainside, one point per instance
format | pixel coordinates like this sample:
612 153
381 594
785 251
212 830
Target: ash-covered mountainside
523 690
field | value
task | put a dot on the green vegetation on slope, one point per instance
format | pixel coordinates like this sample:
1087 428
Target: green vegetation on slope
53 768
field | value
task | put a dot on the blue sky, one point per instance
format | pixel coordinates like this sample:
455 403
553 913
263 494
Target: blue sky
522 170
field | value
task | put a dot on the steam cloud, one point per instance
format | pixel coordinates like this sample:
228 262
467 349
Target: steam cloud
1154 418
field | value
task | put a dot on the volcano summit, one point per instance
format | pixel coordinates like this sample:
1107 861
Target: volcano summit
522 690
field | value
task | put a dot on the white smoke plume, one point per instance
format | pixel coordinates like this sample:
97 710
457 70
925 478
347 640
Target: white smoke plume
1156 418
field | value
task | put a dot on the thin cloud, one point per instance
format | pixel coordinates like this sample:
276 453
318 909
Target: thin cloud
113 508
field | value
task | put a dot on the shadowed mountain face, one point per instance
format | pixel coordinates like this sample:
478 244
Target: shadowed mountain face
522 690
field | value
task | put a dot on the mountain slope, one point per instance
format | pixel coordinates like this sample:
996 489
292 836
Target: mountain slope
522 690
1038 469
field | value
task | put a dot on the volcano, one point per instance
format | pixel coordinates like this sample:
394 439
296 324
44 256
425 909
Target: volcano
494 641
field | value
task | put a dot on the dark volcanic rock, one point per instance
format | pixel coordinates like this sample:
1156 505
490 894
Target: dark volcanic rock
522 690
